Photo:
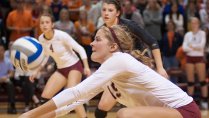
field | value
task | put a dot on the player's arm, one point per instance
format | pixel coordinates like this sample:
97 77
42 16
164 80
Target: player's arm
152 43
68 108
81 51
35 73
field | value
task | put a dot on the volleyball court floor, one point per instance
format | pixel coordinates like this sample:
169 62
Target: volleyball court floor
90 113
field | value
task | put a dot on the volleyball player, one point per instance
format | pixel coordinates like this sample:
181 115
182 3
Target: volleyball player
144 92
62 47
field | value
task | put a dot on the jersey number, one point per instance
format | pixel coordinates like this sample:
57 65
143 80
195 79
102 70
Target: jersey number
51 48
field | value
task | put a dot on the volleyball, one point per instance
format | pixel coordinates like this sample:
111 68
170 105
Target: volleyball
26 53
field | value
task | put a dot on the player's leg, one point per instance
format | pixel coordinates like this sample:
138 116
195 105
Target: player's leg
74 78
190 78
106 103
201 72
55 83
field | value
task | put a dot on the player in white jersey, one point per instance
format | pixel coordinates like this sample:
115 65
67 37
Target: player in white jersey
111 11
144 92
194 47
62 47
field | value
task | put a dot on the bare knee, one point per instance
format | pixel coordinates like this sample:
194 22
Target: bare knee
124 113
104 106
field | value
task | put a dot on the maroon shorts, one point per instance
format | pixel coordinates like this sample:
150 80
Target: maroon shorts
65 71
190 111
195 60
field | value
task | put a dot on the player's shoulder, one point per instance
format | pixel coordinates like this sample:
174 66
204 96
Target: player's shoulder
120 56
60 34
56 31
41 37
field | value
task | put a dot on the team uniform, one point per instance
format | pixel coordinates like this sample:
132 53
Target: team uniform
197 40
61 48
146 88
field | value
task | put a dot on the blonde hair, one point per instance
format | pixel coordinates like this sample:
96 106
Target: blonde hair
120 35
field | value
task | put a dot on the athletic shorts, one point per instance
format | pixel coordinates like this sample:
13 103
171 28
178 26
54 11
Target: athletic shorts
190 111
195 60
65 71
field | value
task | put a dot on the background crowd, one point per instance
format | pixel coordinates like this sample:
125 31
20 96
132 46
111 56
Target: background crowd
168 21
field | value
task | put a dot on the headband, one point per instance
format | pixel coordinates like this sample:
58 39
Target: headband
115 38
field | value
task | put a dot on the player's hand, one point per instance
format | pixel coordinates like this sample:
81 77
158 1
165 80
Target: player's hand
87 71
33 76
162 72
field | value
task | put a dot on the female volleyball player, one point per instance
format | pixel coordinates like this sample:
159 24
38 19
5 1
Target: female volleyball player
133 84
111 12
194 46
61 46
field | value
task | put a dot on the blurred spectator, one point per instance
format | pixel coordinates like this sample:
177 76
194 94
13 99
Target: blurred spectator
92 11
168 7
6 73
28 88
131 13
64 23
153 19
38 10
184 3
141 5
194 46
56 6
84 32
206 29
5 7
1 24
204 15
191 11
171 41
19 22
176 17
73 7
181 57
72 4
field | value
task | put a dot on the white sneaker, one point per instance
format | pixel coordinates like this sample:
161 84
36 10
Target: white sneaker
204 105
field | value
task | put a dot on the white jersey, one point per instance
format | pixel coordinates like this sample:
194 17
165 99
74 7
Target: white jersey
147 88
61 48
197 40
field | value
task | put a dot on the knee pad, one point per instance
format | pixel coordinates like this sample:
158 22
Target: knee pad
203 83
100 113
190 84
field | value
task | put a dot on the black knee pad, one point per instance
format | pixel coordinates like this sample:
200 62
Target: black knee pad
203 83
190 84
100 113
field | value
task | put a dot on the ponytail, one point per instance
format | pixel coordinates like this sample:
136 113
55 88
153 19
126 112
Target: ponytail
142 58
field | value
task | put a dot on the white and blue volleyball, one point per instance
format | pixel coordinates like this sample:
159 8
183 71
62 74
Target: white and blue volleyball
27 53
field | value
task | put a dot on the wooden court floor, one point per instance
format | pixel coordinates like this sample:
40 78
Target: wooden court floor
20 106
205 114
